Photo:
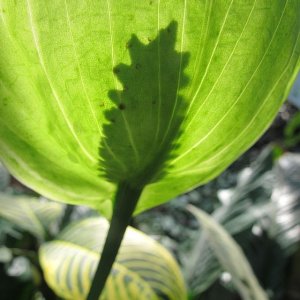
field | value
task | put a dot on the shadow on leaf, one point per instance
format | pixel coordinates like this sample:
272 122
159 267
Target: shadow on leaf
145 122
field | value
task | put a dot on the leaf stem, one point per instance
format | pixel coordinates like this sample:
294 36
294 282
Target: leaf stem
65 220
125 202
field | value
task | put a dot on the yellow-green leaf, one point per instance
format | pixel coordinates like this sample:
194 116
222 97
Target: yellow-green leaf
70 261
195 83
69 268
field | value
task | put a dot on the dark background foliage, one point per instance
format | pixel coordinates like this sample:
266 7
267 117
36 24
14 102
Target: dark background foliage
238 199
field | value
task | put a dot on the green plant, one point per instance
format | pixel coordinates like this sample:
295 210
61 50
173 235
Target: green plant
143 270
249 203
231 257
189 92
261 213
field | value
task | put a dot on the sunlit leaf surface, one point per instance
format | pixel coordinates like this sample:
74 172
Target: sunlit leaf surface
204 80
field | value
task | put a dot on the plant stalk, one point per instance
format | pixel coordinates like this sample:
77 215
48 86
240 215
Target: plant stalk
125 202
65 220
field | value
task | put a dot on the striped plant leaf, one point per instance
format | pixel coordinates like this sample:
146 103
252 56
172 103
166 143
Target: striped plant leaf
30 214
69 269
69 263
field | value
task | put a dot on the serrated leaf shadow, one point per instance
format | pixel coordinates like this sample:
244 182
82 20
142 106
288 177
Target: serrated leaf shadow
142 128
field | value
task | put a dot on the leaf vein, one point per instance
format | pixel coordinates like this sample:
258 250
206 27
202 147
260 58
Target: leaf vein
246 128
79 68
239 97
159 74
179 72
211 57
56 97
116 84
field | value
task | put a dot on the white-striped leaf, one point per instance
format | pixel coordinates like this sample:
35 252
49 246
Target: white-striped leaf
69 269
69 262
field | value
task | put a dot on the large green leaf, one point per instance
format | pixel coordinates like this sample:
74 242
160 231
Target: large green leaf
194 84
142 263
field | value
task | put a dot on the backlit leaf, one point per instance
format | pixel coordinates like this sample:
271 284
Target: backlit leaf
171 91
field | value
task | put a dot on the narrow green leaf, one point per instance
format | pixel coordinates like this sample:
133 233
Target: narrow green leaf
231 257
248 203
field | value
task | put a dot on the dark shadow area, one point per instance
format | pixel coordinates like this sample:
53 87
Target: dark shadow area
146 118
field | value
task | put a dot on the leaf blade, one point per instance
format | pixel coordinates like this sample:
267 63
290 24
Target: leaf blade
147 263
238 82
30 214
230 256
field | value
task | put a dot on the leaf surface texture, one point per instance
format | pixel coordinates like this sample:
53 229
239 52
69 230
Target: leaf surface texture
201 98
